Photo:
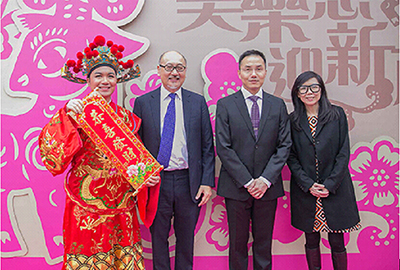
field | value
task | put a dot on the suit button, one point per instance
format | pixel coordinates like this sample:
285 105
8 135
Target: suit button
256 146
317 142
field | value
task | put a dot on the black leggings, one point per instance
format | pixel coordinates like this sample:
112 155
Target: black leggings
336 241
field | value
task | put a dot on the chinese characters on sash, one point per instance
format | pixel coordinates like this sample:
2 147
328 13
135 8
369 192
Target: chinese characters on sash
107 130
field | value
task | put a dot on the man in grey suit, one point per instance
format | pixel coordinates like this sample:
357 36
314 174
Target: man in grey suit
253 142
176 129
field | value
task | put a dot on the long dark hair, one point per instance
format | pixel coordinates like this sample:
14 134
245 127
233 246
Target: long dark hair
326 111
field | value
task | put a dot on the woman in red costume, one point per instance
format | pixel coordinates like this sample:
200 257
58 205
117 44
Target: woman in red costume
101 228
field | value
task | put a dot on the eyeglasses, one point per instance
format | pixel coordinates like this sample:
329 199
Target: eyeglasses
170 68
315 88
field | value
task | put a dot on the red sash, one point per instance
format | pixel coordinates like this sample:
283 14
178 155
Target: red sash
106 129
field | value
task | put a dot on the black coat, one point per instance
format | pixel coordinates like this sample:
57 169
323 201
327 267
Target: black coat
333 153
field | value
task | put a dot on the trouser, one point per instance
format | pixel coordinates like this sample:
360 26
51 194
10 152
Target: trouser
174 201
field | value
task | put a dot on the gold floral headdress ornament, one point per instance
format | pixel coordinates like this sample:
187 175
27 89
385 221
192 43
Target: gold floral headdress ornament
100 52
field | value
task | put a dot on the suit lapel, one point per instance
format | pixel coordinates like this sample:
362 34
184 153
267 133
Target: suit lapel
318 128
241 104
186 98
155 111
266 106
305 126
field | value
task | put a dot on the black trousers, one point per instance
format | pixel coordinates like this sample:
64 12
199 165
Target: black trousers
174 202
262 216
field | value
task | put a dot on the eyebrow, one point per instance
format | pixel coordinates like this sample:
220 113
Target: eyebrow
100 73
252 65
172 64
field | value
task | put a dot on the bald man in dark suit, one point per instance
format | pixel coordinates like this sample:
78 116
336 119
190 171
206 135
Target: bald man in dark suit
189 161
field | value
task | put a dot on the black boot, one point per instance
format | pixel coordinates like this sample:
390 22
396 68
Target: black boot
339 260
313 258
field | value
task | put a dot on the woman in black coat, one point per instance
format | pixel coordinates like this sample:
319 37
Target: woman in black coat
321 189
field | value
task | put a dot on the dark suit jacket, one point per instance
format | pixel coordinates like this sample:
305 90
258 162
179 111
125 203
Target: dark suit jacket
333 153
242 156
199 136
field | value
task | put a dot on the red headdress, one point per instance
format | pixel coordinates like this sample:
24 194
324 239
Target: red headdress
100 52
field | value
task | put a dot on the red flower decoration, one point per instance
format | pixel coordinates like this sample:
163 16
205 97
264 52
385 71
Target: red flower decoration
76 69
113 50
71 63
89 55
99 40
130 63
92 46
95 53
121 48
87 50
118 55
79 55
79 63
110 43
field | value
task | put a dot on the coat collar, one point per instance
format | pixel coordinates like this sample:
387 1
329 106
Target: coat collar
155 111
305 126
265 112
186 103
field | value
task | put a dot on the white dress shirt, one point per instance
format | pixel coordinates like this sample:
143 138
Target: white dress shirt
249 104
179 153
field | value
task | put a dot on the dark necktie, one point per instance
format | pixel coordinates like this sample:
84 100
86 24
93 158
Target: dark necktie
255 115
167 136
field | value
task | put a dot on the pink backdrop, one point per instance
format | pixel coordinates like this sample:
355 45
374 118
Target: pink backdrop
355 53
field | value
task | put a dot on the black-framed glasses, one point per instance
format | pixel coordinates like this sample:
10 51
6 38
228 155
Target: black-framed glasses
315 88
170 68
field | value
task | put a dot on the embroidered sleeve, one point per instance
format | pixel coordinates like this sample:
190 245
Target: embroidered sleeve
59 141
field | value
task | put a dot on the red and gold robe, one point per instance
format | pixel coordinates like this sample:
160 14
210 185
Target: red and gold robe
101 228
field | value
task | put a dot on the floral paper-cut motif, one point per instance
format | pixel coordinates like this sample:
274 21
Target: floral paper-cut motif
220 73
218 234
376 169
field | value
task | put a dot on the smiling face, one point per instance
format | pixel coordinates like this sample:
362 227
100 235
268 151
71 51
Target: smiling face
105 79
310 99
172 80
252 72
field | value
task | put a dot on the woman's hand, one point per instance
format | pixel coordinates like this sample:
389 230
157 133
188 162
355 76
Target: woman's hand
75 105
319 191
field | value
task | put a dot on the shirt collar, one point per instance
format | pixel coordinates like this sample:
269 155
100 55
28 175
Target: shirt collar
164 93
247 94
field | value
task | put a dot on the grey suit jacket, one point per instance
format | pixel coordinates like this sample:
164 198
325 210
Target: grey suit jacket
199 136
243 156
